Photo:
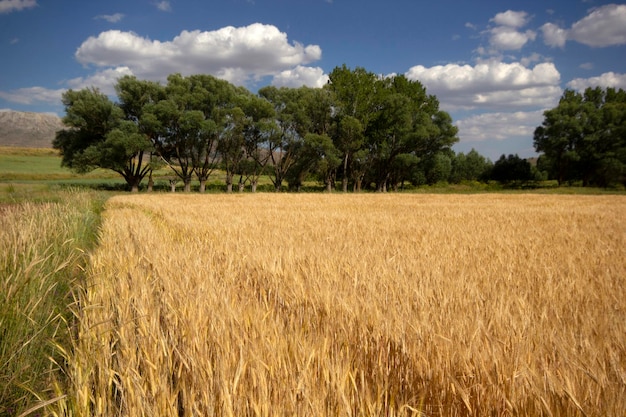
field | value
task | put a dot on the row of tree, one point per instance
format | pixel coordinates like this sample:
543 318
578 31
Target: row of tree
583 139
360 130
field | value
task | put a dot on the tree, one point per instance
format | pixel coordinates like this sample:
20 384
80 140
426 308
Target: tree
408 121
186 127
439 168
353 105
317 156
135 96
232 144
257 136
511 169
291 126
215 99
584 137
98 137
348 140
470 167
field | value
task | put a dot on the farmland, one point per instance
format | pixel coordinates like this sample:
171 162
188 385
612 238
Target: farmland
346 305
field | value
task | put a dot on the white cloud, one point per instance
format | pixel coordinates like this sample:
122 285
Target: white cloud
299 76
604 26
553 35
32 95
111 18
8 6
506 35
164 6
506 38
103 80
608 79
236 54
511 18
499 126
491 84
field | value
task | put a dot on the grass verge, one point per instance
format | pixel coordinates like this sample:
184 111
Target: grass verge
44 239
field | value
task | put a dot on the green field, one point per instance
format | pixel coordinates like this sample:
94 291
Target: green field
39 164
27 170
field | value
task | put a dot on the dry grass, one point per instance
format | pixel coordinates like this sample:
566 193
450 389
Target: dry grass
355 305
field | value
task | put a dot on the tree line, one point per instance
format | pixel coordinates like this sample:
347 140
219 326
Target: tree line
360 131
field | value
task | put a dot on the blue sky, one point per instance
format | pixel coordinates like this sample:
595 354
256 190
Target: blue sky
494 65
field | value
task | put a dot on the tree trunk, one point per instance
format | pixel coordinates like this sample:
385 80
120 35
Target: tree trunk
173 186
229 183
202 185
134 188
241 184
150 182
344 180
329 186
187 186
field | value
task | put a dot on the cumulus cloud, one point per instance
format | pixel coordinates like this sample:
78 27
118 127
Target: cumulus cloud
511 18
33 95
499 126
553 35
491 84
608 79
507 35
8 6
103 80
506 38
111 18
604 26
299 76
236 54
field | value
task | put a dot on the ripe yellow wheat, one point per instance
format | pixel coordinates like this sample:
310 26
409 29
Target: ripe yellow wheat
355 305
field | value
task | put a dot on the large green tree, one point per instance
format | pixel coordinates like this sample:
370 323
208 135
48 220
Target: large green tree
135 98
385 127
258 132
188 122
99 136
584 137
292 125
469 167
354 93
407 121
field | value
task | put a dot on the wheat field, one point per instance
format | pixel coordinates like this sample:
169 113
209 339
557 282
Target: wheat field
354 305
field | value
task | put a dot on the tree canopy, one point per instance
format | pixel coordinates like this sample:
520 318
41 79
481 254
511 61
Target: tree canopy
584 138
98 136
365 129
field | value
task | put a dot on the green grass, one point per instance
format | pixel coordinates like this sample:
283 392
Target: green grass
44 241
43 166
26 170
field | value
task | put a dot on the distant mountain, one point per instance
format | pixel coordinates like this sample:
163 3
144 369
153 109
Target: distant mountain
29 130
